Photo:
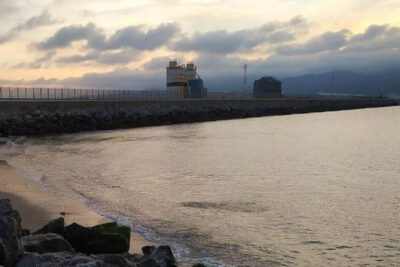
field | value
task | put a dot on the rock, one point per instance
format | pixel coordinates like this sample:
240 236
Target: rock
147 250
133 257
266 87
162 256
3 140
147 262
10 233
78 235
113 228
117 260
60 259
46 243
106 238
25 232
55 226
199 265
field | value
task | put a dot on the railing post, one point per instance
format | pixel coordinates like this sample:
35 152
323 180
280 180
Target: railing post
33 93
40 93
74 93
48 93
9 92
62 94
17 92
1 93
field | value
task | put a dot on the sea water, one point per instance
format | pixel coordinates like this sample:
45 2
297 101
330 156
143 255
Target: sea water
320 189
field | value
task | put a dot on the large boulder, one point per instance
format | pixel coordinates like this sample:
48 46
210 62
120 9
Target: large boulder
46 243
10 234
161 256
55 226
60 259
106 238
267 86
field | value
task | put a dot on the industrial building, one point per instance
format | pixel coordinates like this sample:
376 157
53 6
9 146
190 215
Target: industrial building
184 79
267 86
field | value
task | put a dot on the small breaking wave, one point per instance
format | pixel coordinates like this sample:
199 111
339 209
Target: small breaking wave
10 148
181 252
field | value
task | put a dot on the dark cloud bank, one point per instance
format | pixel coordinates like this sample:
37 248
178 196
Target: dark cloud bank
122 47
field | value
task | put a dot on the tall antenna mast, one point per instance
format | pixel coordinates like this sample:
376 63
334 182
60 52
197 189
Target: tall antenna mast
245 77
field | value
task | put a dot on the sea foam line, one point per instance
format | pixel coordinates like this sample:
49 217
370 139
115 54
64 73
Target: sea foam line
181 252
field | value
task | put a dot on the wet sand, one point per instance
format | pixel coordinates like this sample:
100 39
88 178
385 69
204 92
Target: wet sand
37 206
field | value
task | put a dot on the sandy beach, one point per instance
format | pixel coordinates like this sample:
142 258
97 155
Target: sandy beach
37 206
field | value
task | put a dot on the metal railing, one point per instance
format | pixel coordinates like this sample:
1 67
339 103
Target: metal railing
18 93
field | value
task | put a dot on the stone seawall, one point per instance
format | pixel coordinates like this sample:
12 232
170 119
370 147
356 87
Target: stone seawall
51 117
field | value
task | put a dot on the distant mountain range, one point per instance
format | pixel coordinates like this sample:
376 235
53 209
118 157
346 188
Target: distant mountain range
344 82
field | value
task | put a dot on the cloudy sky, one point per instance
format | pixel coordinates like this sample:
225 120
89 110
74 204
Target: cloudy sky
127 44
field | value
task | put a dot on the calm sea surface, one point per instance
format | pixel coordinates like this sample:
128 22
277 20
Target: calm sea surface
319 189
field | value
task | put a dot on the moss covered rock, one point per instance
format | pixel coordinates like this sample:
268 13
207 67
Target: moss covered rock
101 239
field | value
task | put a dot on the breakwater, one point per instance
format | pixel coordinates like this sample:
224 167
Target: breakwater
32 117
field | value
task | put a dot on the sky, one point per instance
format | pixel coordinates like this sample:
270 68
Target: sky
126 44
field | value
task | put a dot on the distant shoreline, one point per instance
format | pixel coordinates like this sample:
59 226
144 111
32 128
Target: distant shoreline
55 117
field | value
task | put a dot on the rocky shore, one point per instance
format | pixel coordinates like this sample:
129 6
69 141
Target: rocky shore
38 118
74 245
